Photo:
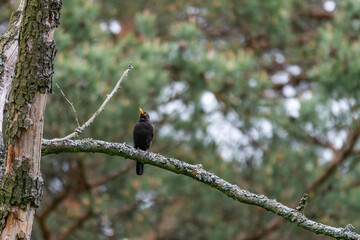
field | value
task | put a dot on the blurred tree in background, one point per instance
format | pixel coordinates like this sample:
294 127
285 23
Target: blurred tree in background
262 93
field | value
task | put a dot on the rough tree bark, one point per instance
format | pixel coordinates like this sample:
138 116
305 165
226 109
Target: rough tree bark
27 52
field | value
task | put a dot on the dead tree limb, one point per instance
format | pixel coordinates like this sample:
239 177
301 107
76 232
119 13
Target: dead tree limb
198 173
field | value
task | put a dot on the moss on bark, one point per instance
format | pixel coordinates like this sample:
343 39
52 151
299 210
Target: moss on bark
34 67
19 189
33 73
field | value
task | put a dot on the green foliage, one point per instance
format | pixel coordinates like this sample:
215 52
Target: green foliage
184 31
79 20
145 24
6 8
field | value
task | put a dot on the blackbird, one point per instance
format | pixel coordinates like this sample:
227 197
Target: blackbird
143 134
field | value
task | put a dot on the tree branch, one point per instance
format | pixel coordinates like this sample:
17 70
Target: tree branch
340 156
198 173
81 129
71 104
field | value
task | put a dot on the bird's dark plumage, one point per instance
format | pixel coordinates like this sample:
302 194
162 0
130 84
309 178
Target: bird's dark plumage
143 134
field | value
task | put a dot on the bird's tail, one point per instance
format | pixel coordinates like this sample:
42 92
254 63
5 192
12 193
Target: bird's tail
139 168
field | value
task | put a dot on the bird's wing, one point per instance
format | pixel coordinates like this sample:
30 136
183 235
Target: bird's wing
135 136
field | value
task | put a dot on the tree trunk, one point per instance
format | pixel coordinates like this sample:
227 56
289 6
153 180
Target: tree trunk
27 44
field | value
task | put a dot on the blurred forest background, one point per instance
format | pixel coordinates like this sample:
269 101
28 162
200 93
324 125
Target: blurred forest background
262 93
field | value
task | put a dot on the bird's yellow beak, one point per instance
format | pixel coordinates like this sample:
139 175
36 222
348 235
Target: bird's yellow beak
141 111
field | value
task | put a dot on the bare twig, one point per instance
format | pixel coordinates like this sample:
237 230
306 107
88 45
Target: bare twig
349 227
198 173
71 104
302 204
82 128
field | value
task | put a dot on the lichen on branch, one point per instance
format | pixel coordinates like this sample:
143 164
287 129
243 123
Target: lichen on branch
198 173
